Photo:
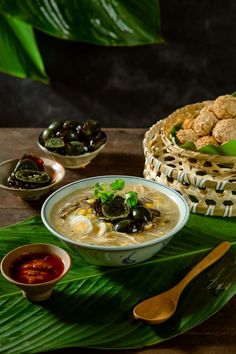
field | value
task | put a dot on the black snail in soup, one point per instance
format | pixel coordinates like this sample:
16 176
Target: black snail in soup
115 214
73 138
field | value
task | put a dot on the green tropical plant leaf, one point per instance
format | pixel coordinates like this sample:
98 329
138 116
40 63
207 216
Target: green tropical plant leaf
78 314
228 148
189 145
19 54
104 22
211 150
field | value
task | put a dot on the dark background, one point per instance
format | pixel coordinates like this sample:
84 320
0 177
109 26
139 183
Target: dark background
131 87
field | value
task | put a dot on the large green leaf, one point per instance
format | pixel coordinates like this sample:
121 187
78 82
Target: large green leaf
104 22
92 306
19 53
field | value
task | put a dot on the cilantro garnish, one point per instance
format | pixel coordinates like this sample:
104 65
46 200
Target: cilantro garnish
131 199
118 184
106 192
101 192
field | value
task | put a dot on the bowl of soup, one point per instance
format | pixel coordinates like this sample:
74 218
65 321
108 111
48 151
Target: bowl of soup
115 220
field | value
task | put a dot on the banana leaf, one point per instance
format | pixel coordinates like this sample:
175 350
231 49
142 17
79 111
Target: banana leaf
19 54
103 22
92 306
226 149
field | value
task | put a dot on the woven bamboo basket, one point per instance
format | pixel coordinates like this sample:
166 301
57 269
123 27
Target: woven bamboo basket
209 194
212 164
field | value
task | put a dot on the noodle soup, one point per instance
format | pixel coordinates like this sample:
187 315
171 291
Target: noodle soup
81 216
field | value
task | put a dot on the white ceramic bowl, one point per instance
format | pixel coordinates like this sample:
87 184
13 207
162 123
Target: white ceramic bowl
73 161
54 169
115 255
39 291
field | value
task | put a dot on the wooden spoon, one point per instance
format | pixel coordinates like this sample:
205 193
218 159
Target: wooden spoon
160 308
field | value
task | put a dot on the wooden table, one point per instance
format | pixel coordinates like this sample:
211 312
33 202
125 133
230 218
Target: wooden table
123 154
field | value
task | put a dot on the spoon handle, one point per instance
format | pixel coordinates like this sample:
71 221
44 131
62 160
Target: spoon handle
211 258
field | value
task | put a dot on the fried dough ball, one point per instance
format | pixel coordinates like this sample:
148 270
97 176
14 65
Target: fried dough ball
225 130
207 108
185 135
207 103
224 107
206 140
188 123
204 123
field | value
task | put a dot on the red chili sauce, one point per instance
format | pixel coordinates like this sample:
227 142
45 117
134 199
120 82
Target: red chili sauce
34 268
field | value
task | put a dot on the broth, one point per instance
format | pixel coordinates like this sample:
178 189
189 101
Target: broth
75 218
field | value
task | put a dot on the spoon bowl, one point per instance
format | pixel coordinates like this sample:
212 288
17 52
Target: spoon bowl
157 309
160 308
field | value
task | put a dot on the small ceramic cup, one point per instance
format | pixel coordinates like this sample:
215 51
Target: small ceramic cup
39 291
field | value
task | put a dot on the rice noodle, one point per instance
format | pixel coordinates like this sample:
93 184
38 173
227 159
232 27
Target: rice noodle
102 233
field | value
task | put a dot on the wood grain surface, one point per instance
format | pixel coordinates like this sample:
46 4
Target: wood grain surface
123 154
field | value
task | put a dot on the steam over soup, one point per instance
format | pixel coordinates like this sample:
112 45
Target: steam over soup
115 214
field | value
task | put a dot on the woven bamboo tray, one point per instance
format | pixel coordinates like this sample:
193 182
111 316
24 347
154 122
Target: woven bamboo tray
212 164
209 194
